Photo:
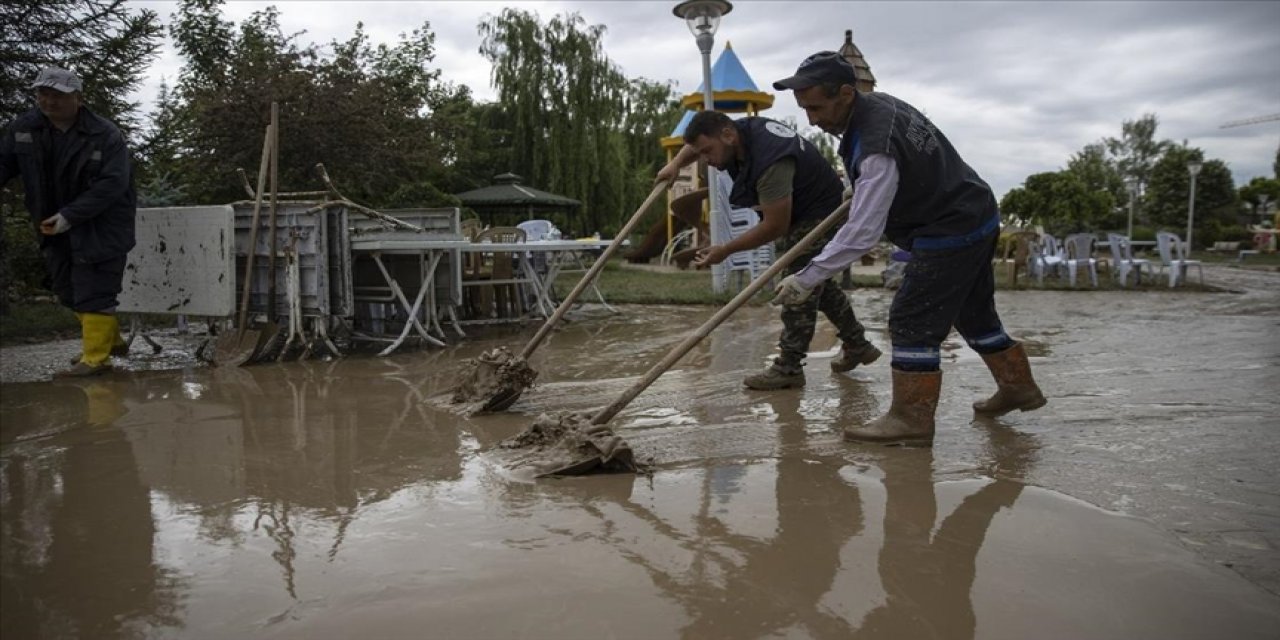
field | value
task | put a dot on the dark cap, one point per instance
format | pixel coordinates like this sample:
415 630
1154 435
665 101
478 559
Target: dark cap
57 79
819 68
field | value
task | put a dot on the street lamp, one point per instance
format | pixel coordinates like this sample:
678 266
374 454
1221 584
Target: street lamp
1132 183
703 18
1193 168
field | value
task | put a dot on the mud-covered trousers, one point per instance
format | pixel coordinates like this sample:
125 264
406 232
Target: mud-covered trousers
800 321
945 287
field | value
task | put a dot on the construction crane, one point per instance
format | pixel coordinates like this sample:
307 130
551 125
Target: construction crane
1247 121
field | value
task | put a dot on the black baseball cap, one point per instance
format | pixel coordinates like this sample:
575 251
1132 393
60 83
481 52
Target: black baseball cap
819 68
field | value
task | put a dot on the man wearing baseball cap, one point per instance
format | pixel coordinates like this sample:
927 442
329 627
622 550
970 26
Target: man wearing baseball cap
78 178
911 185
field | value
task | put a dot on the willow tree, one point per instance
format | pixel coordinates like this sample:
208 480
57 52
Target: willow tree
574 117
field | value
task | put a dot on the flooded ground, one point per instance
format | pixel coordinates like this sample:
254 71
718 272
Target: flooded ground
333 500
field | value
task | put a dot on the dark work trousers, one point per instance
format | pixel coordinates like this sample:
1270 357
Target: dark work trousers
800 321
943 288
82 287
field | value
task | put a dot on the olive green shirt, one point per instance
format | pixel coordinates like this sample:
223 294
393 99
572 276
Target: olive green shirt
775 182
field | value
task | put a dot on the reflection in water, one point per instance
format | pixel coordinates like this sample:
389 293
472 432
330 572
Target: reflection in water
928 575
248 453
784 583
77 554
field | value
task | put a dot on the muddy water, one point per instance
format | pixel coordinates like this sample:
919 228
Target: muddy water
333 500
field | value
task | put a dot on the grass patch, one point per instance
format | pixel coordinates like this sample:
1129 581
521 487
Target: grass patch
37 321
629 285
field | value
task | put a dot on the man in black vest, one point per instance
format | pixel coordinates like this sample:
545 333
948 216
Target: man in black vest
910 184
786 179
78 180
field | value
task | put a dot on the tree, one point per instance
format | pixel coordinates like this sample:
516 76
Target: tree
1250 197
1136 150
1216 200
1060 201
1097 172
106 44
365 111
577 126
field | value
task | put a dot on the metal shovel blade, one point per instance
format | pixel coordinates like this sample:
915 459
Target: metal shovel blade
235 348
269 341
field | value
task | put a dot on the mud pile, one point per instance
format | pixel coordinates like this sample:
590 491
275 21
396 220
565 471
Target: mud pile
495 374
567 444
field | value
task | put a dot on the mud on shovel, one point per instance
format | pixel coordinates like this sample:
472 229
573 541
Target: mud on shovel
596 447
235 349
496 379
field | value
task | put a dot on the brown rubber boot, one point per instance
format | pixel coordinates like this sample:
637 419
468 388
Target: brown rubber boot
851 357
1016 388
773 378
910 417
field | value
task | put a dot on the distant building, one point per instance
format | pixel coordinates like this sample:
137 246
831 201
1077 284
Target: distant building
850 51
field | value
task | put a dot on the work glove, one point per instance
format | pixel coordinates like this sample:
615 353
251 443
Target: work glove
790 292
53 225
848 193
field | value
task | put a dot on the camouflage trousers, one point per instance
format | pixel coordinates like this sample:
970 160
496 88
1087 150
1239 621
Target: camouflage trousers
800 321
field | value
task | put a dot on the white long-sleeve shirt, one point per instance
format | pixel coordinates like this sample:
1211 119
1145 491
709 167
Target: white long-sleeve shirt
873 194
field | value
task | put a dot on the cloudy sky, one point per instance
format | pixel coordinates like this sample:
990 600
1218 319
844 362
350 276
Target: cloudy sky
1017 86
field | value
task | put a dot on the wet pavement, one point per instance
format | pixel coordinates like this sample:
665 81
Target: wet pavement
334 500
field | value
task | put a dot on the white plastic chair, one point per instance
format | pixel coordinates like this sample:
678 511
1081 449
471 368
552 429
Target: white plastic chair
1124 262
1046 256
1079 253
535 230
1173 257
754 261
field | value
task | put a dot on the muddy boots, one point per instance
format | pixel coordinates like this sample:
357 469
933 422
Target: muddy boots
910 417
98 331
775 377
1017 390
852 356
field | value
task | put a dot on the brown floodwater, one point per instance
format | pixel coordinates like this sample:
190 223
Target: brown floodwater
338 499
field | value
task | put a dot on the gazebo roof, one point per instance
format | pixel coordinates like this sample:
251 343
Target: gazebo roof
733 90
506 191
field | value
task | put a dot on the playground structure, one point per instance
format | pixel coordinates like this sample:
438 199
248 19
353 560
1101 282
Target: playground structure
733 91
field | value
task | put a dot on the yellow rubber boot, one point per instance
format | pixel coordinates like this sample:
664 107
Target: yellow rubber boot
119 347
98 331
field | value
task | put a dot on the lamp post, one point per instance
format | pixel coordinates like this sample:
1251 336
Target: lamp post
1193 168
703 18
1133 185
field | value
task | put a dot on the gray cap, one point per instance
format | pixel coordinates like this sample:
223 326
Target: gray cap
59 79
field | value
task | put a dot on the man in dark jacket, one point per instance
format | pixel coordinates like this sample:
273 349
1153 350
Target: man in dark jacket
78 179
786 179
912 185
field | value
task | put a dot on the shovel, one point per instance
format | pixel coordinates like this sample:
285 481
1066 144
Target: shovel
235 349
601 449
500 378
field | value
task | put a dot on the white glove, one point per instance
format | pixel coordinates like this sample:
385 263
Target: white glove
790 292
53 225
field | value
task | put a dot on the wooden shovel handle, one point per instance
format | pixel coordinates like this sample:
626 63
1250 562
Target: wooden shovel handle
681 349
595 269
253 234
